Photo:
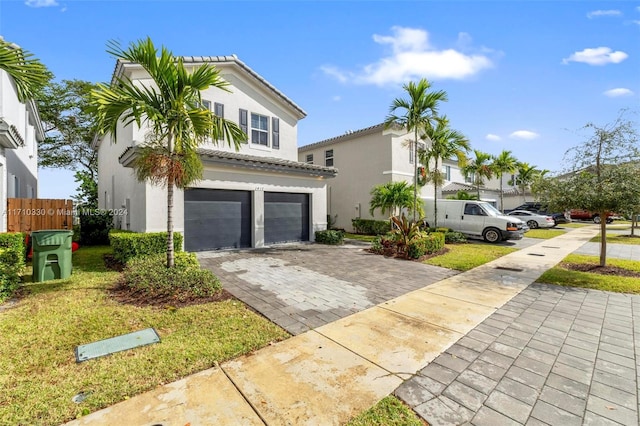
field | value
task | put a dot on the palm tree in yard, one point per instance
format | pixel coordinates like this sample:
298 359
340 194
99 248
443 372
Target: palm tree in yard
391 197
172 108
417 114
525 175
446 143
479 168
503 163
27 72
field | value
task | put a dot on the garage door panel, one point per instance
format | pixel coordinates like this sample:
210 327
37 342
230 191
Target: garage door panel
215 219
286 217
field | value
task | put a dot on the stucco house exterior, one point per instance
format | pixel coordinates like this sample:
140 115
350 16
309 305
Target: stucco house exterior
20 132
251 198
374 156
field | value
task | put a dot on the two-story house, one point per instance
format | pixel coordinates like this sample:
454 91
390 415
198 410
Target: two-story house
20 132
251 198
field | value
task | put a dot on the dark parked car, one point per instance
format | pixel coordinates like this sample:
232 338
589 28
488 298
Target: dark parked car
539 208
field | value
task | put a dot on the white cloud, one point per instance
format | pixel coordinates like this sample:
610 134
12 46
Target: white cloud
637 22
597 13
617 92
412 57
524 134
492 137
41 3
336 98
597 56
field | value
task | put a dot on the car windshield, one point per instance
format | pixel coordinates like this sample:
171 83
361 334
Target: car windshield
491 211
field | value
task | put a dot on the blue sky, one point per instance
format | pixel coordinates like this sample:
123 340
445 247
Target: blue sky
520 75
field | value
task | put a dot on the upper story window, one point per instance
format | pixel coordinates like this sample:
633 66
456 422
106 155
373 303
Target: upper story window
446 173
218 109
206 104
470 178
309 159
328 158
411 153
259 129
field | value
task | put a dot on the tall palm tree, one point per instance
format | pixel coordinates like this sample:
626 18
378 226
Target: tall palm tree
391 197
479 168
28 73
418 114
503 163
172 108
446 143
525 175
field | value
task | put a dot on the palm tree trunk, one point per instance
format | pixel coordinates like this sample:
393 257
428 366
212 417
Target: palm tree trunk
415 174
435 197
170 252
501 195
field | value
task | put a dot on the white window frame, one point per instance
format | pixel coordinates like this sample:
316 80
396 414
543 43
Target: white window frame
309 159
259 130
328 157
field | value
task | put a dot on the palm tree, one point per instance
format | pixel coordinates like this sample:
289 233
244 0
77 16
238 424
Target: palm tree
446 143
419 113
391 197
503 163
28 73
525 175
480 169
173 109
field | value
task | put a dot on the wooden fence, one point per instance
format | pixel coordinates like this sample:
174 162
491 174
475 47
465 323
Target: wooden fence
34 214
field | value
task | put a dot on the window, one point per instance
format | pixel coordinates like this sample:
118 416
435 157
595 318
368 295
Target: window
473 210
275 133
446 173
328 158
470 178
242 121
259 129
218 109
206 104
309 158
411 153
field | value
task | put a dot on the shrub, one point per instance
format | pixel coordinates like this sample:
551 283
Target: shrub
454 237
330 236
185 281
127 245
425 244
95 226
371 227
12 262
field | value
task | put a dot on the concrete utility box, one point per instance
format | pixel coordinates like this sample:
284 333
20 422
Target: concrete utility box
51 254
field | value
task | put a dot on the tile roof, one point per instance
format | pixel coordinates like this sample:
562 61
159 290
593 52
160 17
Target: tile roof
344 137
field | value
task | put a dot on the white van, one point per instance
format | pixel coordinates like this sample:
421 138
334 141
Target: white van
475 219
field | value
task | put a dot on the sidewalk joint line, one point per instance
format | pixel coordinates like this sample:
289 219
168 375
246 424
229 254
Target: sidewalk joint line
253 407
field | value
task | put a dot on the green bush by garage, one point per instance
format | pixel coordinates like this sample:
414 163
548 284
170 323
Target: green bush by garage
127 245
12 262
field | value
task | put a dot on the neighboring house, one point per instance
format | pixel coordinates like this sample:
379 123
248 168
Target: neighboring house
20 132
365 158
251 198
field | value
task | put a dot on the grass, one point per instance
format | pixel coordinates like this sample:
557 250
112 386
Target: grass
574 225
544 234
38 372
565 277
390 411
360 237
463 257
618 239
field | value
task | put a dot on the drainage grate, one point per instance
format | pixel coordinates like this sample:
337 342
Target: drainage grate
505 268
551 247
535 254
116 344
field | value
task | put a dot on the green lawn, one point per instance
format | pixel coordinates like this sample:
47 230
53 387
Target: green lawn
360 237
388 412
574 225
619 239
565 277
38 372
463 257
544 234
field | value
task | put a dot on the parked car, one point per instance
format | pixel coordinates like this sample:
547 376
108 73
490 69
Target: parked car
533 220
539 208
580 214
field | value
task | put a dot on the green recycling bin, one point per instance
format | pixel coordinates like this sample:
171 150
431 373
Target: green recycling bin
51 254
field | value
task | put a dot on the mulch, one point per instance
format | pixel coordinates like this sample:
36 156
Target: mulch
601 270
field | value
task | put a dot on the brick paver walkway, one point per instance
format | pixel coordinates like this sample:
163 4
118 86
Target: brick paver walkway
301 287
552 355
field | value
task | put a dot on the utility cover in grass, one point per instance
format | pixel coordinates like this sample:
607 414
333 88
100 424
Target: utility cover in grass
116 344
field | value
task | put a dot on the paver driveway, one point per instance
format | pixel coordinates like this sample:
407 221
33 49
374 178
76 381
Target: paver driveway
304 286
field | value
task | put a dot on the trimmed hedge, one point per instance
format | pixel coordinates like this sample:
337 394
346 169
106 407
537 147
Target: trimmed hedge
127 245
427 244
12 262
95 226
370 226
330 236
186 280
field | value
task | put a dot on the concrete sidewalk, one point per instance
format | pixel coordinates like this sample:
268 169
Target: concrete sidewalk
330 374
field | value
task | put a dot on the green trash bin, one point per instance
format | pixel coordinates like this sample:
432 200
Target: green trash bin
51 254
